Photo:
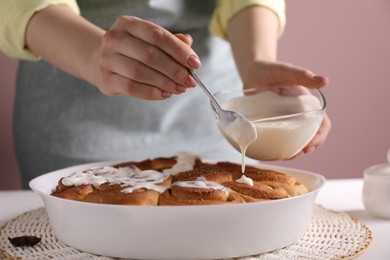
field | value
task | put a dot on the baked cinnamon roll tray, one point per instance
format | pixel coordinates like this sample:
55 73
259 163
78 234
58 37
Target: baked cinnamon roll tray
178 208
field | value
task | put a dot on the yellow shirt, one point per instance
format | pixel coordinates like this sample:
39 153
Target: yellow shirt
15 15
226 9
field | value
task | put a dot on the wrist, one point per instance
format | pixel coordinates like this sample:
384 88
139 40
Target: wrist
258 42
93 71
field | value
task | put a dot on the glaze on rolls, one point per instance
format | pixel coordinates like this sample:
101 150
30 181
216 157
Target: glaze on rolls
263 184
111 185
180 180
199 192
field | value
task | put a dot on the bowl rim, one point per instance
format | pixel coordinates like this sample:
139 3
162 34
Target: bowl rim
321 110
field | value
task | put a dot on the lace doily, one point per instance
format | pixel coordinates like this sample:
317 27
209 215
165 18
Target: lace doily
330 235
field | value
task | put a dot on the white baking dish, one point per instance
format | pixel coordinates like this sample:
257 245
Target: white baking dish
178 232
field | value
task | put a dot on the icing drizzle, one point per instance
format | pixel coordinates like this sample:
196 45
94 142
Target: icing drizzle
185 162
131 178
201 182
245 180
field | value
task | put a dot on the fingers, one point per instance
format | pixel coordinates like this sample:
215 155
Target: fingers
320 136
285 73
129 87
317 140
138 53
185 38
278 73
133 69
167 42
279 76
157 60
294 90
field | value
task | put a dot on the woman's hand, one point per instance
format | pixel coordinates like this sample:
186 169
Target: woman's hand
255 50
290 80
140 59
279 76
134 57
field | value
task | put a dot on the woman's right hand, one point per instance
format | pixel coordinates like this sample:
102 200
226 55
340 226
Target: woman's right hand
134 57
141 59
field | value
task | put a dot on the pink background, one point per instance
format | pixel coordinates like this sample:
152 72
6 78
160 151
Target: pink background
348 41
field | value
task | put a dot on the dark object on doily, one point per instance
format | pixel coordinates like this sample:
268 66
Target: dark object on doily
24 241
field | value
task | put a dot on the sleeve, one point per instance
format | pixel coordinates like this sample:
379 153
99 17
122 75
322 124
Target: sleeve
226 9
14 18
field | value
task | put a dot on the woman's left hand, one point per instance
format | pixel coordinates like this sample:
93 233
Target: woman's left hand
287 79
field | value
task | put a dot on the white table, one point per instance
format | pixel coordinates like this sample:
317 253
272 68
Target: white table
340 195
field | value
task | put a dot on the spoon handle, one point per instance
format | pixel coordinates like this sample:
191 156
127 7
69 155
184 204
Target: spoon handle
215 102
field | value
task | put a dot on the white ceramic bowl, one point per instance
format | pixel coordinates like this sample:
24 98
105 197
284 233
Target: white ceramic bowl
178 232
285 123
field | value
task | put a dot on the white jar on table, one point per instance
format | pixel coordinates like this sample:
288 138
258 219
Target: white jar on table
376 189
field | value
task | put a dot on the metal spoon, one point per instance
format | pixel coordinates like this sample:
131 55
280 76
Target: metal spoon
233 124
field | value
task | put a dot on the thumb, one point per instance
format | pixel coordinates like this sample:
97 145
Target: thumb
186 38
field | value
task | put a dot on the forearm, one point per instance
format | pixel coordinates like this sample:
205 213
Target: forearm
66 40
253 35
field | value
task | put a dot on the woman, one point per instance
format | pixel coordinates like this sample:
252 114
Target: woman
61 117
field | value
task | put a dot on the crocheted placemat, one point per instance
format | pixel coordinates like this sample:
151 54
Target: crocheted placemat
330 235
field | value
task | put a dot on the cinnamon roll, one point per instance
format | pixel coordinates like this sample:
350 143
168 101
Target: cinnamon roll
209 172
198 192
73 192
114 194
252 190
